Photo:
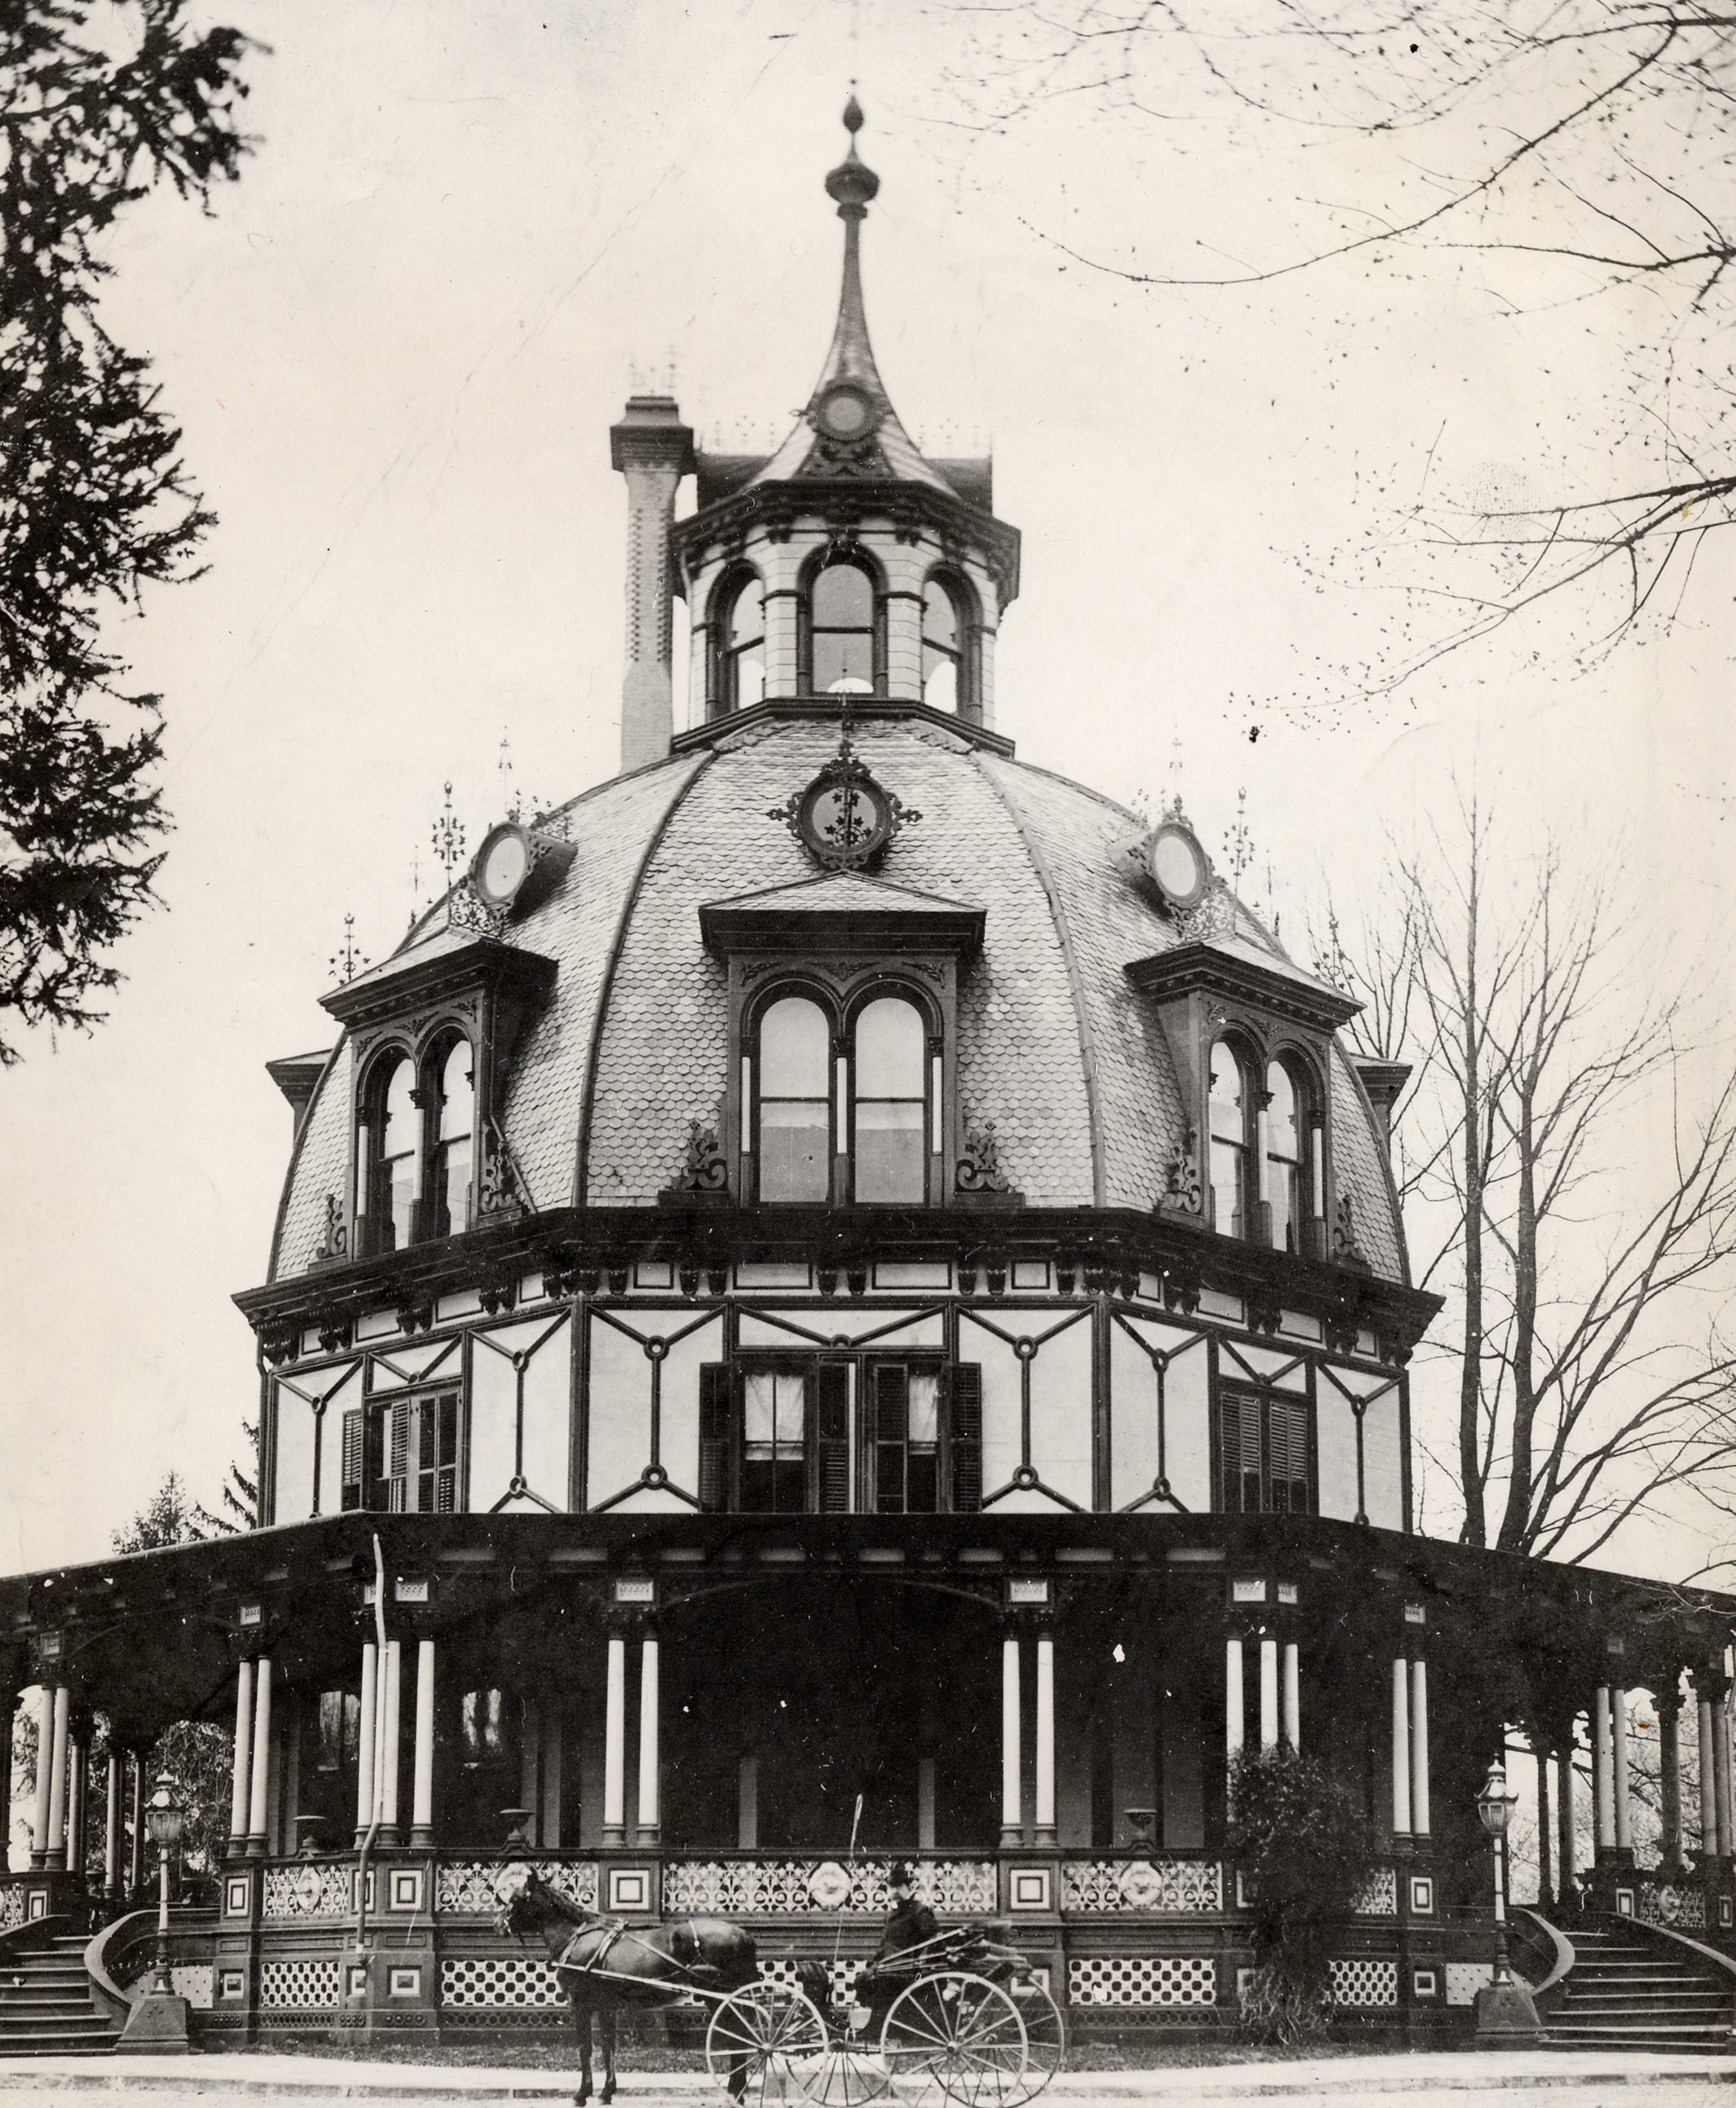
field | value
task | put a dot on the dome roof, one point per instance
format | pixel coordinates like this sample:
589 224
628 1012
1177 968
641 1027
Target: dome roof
1056 1045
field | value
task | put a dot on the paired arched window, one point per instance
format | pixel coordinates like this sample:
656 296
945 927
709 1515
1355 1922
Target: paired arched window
415 1146
454 1149
870 1096
1265 1162
951 645
738 643
842 640
394 1185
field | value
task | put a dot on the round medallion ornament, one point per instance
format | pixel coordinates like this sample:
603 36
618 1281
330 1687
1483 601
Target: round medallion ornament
830 1885
846 414
502 864
1140 1884
1180 867
843 819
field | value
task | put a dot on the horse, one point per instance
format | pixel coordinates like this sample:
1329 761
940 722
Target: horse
603 1964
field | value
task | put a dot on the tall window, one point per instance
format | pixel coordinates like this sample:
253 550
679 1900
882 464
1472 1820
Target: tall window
1228 1106
794 1127
454 1145
391 1200
949 645
1285 1164
1263 1453
401 1454
841 631
901 1437
891 1080
738 643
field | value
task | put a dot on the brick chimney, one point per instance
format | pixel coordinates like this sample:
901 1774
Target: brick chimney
654 450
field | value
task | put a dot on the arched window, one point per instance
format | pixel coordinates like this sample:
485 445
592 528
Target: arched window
1285 1164
841 641
738 634
455 1143
392 1187
793 1134
890 1075
949 645
1228 1103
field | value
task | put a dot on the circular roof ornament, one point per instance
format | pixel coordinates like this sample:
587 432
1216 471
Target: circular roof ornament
502 864
846 414
844 819
1180 866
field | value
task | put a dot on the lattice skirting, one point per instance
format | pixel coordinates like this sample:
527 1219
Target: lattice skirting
780 1972
302 1986
1139 1979
1362 1980
510 1980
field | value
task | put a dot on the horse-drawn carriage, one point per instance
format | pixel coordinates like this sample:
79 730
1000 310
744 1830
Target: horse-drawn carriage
961 2017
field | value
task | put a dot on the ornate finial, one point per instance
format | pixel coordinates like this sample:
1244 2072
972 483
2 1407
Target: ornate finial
852 115
347 961
852 183
448 842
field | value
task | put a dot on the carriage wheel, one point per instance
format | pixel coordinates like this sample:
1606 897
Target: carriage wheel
957 2034
761 2041
1045 2033
850 2070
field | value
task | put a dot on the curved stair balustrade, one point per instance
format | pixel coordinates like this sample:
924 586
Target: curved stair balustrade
45 1999
118 1961
1631 1985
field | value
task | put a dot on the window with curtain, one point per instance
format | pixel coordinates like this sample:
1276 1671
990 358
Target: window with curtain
841 624
454 1145
1284 1163
890 1076
401 1454
1228 1106
949 645
395 1127
793 1130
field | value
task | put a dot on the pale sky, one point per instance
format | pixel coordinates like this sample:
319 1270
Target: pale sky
395 351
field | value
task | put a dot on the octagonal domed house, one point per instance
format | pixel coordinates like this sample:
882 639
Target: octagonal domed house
854 1300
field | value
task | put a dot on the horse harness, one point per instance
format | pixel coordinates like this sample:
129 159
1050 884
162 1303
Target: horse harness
616 1930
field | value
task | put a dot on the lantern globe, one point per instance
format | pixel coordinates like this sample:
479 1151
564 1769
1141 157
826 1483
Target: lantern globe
1495 1805
163 1814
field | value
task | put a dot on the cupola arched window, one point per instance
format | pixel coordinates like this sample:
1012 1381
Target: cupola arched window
890 1075
393 1185
454 1151
951 645
793 1134
1266 1150
738 643
843 652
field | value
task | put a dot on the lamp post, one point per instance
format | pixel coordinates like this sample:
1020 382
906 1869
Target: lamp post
158 2020
1506 2018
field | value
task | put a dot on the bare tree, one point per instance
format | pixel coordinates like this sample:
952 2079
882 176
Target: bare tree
1571 151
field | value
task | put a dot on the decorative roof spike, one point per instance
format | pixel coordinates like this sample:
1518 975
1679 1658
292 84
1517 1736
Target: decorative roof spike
347 961
852 184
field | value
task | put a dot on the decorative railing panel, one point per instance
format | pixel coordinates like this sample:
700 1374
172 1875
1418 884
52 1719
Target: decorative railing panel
314 1889
1141 1980
11 1908
511 1983
472 1887
1364 1980
1179 1885
303 1987
963 1888
1380 1898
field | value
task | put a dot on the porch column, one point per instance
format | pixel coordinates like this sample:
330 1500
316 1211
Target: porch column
530 1769
1708 1783
747 1803
1420 1748
391 1688
259 1800
45 1774
925 1804
1623 1825
289 1808
1234 1711
8 1707
614 1745
1545 1837
552 1729
1670 1774
111 1831
650 1819
1292 1711
421 1798
241 1771
56 1747
365 1732
77 1779
1721 1777
1566 1858
1268 1694
136 1857
1012 1769
1400 1747
1045 1828
1602 1814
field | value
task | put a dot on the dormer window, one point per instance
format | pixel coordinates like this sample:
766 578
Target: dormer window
1287 1182
393 1185
842 650
794 1130
1265 1148
738 634
951 645
889 1073
454 1146
1227 1099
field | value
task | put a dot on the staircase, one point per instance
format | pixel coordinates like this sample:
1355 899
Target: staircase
1629 1990
45 2001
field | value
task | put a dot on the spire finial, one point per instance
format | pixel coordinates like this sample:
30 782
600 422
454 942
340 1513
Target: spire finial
852 115
852 183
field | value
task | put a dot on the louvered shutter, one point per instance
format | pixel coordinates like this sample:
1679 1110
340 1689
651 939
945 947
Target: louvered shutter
446 1470
353 1448
891 1421
964 1435
832 1436
1239 1422
403 1455
714 1435
1289 1463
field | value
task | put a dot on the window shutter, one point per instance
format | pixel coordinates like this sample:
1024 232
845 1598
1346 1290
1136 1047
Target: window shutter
964 1435
1239 1420
446 1470
403 1457
1289 1426
892 1420
714 1435
832 1436
352 1447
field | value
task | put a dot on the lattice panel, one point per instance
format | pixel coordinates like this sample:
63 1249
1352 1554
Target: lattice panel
1666 1904
509 1980
471 1888
780 1973
1380 1898
725 1888
308 1891
1142 1980
1464 1979
1142 1885
192 1981
11 1908
303 1987
1360 1979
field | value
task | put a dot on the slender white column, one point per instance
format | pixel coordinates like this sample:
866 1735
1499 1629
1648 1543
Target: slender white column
1400 1747
1012 1767
1419 1749
240 1773
78 1772
1234 1730
289 1794
421 1800
45 1774
747 1803
1618 1764
390 1739
1708 1784
1602 1815
366 1729
260 1800
1045 1828
57 1778
1568 1854
1721 1777
925 1804
614 1745
1268 1694
650 1760
111 1831
1669 1773
136 1876
1292 1706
